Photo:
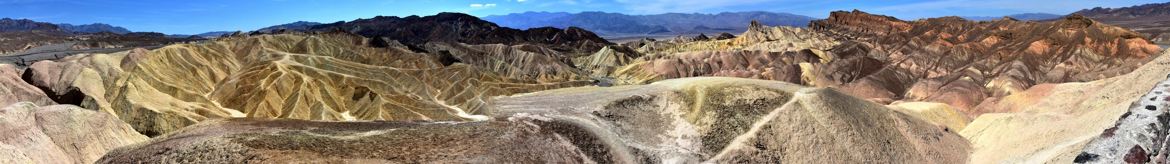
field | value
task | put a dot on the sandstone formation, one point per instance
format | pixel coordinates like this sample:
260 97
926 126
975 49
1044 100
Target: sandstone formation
773 53
1054 122
757 37
314 77
604 62
721 120
13 90
59 134
527 62
56 79
451 88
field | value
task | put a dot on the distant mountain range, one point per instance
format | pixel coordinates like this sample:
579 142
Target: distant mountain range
12 25
93 28
417 31
296 26
611 24
1152 20
1153 9
19 35
299 25
1024 16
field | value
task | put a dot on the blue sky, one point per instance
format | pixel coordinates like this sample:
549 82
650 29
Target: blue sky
189 17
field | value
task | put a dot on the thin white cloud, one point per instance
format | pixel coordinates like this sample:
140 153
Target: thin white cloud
481 5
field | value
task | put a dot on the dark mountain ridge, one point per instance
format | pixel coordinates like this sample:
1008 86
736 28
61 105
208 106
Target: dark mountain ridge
611 24
1152 20
298 26
13 25
416 31
93 28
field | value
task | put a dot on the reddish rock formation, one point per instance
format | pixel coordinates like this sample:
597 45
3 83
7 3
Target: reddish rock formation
863 22
966 61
